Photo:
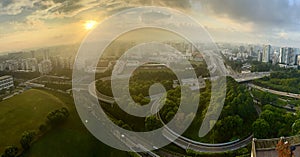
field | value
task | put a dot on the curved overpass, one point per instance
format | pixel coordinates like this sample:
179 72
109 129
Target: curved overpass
94 92
286 94
181 141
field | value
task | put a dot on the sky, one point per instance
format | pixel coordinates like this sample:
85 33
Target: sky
29 24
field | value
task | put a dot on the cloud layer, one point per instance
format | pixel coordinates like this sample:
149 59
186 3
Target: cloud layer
276 21
275 13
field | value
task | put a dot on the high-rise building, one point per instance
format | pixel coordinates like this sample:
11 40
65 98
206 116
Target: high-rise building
251 52
282 55
266 53
275 58
287 56
290 57
298 60
259 56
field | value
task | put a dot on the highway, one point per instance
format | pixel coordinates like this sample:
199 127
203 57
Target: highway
208 148
94 92
286 94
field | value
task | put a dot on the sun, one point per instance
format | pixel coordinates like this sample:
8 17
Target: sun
90 24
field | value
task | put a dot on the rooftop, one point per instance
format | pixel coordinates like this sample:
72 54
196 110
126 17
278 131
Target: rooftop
274 153
267 147
5 77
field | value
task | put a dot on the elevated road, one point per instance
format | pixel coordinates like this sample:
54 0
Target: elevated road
286 94
249 76
94 92
205 147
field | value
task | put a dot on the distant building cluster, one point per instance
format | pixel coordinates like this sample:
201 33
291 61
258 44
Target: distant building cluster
287 57
26 65
62 62
284 56
242 53
18 62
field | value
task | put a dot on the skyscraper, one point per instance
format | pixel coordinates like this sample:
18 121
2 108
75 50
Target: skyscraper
290 56
287 56
266 53
275 58
259 56
282 55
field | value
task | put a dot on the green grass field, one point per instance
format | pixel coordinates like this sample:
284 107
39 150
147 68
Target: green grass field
23 112
29 109
71 139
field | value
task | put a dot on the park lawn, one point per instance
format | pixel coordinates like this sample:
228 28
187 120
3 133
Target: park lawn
71 139
71 143
23 112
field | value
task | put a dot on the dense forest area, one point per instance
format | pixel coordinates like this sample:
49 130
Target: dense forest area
274 122
236 119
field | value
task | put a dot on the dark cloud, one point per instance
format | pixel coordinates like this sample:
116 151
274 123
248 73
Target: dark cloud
15 7
185 4
67 5
70 8
181 4
5 2
261 12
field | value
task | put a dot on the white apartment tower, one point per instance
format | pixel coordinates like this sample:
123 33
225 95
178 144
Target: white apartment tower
266 53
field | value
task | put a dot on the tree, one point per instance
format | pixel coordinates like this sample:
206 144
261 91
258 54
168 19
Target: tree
57 116
261 128
152 123
189 118
10 151
26 139
65 111
296 127
274 119
170 116
126 126
42 128
269 116
229 127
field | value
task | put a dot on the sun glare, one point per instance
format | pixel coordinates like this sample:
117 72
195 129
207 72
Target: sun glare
90 25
